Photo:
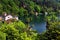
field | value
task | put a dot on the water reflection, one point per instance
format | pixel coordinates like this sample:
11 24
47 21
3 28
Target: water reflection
39 27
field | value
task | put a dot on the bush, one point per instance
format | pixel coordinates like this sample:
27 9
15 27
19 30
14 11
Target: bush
2 36
53 33
17 31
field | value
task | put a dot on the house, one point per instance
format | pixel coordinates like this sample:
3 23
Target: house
16 17
11 17
8 17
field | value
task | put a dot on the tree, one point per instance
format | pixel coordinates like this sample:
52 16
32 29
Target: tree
17 31
2 36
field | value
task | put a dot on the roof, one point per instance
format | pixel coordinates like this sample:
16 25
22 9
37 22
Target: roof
8 17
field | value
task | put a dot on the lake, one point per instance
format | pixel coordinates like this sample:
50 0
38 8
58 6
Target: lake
39 27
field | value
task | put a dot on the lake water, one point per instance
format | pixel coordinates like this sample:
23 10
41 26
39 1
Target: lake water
39 27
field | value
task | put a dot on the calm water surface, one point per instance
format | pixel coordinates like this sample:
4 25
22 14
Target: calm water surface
39 27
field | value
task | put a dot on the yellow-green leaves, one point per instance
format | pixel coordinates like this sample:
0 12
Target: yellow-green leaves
2 36
17 31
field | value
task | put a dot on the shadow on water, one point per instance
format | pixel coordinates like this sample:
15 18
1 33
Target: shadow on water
39 27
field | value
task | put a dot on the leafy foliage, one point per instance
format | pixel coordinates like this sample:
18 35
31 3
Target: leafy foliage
26 10
17 31
2 36
53 33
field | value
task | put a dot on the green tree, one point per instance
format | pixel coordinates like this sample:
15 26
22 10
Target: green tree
17 31
2 36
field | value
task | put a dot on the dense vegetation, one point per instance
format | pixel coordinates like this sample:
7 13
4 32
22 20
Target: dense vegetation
19 31
27 9
16 31
30 11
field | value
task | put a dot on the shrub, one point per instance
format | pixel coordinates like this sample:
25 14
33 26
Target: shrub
2 36
17 31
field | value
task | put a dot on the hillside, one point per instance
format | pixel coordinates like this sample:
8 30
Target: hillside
30 11
27 9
